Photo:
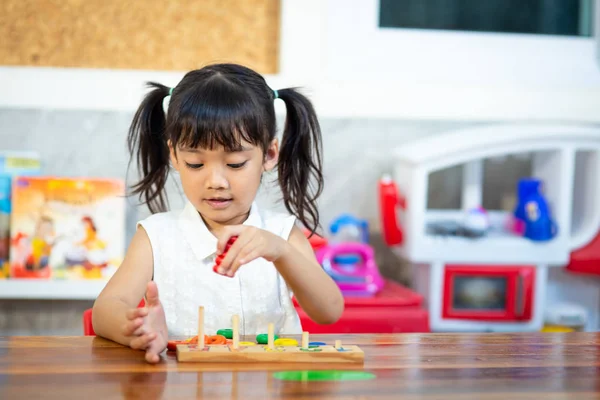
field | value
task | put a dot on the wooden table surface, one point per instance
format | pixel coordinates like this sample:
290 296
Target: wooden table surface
536 366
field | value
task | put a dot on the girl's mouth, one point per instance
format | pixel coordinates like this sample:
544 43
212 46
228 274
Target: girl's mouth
218 203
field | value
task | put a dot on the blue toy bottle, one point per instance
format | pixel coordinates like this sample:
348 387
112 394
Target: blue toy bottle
533 210
525 189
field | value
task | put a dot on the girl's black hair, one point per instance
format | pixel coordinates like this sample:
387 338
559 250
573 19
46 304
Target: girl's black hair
221 105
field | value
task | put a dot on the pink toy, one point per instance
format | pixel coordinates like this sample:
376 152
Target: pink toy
360 278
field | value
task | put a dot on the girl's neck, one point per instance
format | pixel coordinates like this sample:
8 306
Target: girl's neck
217 227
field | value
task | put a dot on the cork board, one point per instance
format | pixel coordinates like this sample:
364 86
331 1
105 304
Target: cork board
150 34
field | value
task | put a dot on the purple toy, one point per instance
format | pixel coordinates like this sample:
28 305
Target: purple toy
360 278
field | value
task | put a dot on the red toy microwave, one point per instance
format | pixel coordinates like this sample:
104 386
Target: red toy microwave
488 293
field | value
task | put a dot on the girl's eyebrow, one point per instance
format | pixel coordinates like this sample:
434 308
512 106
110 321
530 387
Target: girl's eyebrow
198 150
190 149
240 149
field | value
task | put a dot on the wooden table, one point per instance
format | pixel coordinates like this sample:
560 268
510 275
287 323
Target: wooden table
536 366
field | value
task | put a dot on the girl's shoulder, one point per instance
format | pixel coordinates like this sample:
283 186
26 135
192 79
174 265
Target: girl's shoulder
159 221
162 217
277 222
163 230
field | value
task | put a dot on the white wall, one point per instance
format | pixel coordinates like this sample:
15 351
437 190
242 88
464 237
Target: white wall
350 68
454 75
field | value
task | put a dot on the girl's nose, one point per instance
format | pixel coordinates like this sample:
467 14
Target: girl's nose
217 179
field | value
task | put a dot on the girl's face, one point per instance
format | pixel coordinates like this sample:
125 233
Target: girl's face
222 185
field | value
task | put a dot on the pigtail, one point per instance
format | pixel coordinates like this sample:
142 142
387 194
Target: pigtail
300 162
148 143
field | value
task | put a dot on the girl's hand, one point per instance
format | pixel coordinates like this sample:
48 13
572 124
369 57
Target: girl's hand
251 243
147 326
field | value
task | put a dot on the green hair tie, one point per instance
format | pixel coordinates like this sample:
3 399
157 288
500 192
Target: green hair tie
275 94
171 91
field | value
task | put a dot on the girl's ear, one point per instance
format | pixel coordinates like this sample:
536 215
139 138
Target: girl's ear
172 155
271 156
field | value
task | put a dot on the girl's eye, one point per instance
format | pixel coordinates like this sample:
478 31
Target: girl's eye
236 166
194 166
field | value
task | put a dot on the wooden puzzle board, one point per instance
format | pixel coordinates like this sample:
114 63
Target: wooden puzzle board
261 353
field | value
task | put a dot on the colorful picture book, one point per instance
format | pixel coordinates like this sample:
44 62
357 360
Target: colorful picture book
12 163
66 228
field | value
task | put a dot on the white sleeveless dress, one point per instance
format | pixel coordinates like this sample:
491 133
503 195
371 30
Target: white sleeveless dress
184 253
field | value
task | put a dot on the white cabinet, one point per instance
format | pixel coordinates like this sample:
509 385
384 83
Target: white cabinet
555 149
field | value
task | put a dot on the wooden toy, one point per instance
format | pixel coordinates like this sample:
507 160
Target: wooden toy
235 322
201 324
282 350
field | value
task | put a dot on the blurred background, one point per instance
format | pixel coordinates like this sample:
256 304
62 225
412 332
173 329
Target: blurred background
461 102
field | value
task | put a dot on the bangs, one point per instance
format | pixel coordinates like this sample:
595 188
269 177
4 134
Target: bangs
218 114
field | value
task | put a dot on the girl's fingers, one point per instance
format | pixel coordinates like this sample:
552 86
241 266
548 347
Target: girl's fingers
232 233
225 264
142 342
139 331
241 243
136 313
152 357
244 257
153 352
130 327
253 255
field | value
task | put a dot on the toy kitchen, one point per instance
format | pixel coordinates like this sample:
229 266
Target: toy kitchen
487 270
372 303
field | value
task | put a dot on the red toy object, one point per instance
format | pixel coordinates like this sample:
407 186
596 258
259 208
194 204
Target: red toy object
586 260
315 240
389 199
208 340
220 257
392 295
395 309
172 344
363 320
519 293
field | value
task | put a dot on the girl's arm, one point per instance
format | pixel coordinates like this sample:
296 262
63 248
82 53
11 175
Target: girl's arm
124 291
318 295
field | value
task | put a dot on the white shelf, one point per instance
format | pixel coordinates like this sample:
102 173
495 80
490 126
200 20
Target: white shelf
493 249
497 247
38 289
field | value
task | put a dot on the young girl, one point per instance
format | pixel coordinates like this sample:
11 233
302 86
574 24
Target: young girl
219 135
